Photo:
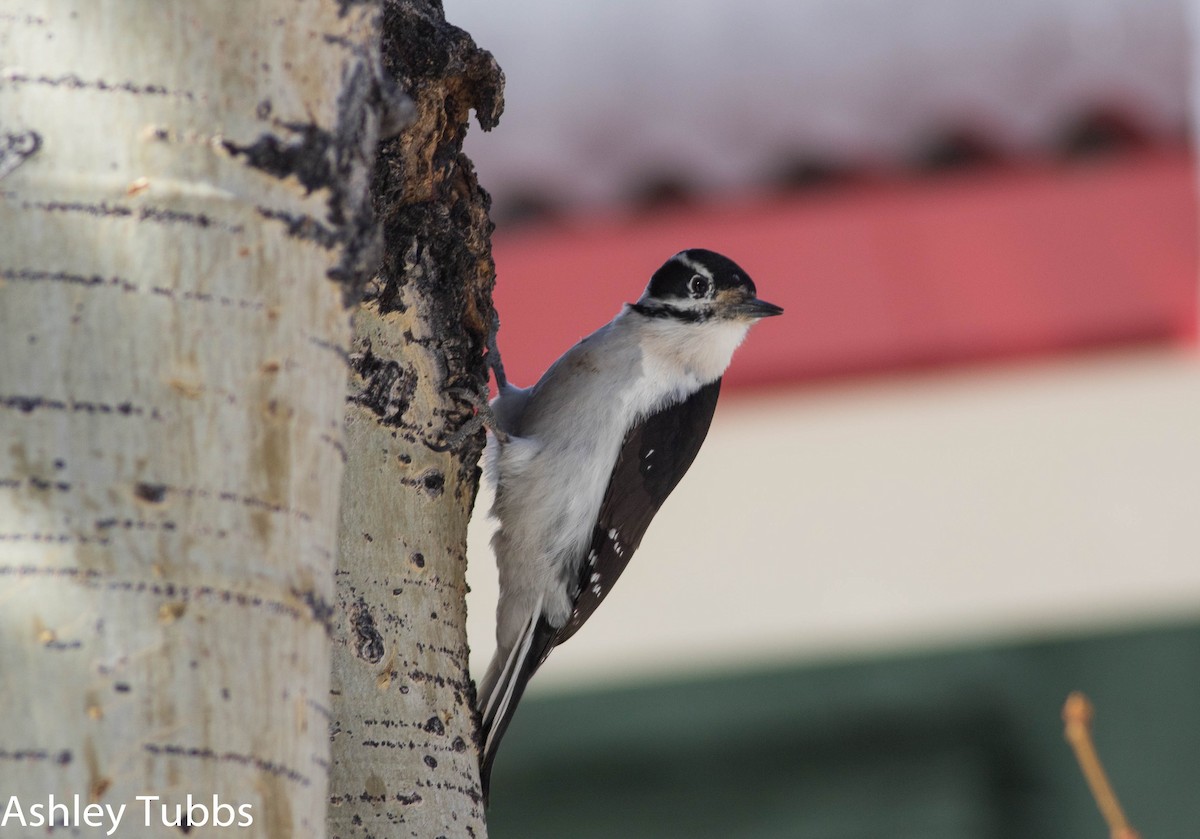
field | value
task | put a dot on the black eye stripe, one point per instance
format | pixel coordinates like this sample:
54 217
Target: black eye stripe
665 310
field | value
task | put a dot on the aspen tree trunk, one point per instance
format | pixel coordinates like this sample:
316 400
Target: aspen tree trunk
404 759
182 217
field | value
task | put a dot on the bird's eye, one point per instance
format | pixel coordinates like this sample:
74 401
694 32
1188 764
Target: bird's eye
697 286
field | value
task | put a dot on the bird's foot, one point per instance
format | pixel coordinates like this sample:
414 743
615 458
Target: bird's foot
483 417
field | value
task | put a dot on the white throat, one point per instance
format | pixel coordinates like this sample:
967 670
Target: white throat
700 351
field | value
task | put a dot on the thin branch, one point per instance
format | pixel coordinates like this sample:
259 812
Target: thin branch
1077 715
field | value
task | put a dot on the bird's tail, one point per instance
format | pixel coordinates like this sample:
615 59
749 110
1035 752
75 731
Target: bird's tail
507 676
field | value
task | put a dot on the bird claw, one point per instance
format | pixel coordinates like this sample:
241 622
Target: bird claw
484 417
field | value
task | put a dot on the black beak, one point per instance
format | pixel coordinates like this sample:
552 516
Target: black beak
755 308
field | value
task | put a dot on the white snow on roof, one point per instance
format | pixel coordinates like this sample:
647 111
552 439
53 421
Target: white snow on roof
604 96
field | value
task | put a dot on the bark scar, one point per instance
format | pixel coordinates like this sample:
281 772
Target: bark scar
368 643
16 148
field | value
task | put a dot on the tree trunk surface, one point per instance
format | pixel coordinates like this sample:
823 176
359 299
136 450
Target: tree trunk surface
183 217
404 758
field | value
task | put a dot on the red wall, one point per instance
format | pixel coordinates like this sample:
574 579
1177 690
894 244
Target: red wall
886 274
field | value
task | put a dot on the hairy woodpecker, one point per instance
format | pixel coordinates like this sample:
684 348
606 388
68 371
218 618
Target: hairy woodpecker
583 460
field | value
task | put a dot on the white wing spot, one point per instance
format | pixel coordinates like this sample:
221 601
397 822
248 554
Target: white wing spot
646 456
612 533
595 589
595 578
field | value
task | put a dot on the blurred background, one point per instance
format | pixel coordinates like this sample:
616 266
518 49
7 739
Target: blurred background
959 479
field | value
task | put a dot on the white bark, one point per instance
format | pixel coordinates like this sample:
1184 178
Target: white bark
171 399
404 760
403 751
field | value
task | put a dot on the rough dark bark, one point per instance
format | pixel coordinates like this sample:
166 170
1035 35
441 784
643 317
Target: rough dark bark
404 760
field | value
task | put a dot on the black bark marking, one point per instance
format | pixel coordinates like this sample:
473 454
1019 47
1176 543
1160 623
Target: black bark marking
36 483
338 350
267 766
58 646
29 404
206 297
28 20
154 214
201 220
74 82
175 217
302 227
62 758
94 579
336 445
319 708
368 798
320 608
134 524
248 501
38 571
434 482
368 643
101 209
307 157
52 539
388 388
33 275
150 493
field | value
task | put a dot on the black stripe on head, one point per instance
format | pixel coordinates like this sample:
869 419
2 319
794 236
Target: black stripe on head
690 279
654 309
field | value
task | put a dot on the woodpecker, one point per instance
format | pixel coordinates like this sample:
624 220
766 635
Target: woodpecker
583 460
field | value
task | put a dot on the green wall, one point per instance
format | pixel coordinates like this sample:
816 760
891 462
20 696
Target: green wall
964 744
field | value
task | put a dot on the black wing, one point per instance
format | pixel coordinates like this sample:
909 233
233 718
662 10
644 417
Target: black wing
654 458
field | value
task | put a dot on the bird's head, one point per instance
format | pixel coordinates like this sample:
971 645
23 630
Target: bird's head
700 286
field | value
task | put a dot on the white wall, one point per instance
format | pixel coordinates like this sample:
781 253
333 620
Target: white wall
985 503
